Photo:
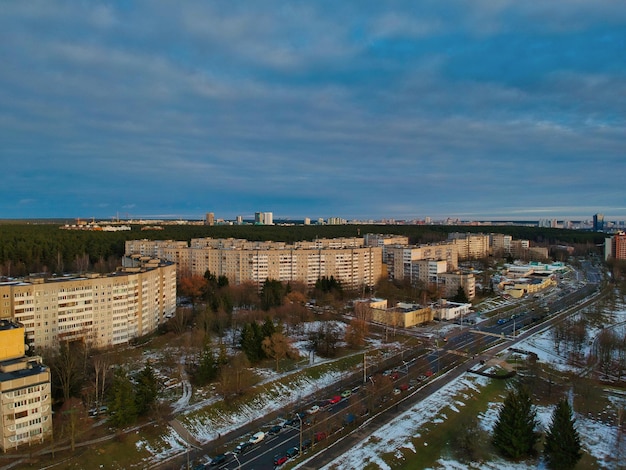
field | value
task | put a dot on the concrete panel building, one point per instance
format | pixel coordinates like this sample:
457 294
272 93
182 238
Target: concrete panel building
101 310
25 391
346 259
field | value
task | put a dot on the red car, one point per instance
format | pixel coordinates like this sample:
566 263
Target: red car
335 399
320 436
403 387
279 460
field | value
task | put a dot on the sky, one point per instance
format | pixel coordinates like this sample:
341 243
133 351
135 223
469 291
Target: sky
478 110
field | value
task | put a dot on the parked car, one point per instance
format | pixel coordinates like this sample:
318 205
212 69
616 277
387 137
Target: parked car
335 399
403 387
346 393
217 460
292 452
295 422
320 436
314 409
242 446
257 437
349 419
279 460
274 429
396 391
306 444
395 375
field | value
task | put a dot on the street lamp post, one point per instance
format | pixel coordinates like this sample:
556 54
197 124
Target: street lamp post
298 415
237 459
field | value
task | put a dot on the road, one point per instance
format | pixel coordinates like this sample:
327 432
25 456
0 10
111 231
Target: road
447 360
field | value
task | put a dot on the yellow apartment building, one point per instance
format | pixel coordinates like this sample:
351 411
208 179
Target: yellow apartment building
101 310
346 259
25 401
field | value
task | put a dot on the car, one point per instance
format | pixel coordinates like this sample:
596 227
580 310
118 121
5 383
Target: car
334 400
396 391
292 452
346 393
502 321
291 422
257 437
387 372
314 409
242 446
218 460
394 375
403 387
306 444
320 436
279 460
274 429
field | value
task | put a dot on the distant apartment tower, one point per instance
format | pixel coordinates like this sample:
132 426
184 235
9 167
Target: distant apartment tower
239 220
210 219
25 398
470 245
616 246
598 222
264 218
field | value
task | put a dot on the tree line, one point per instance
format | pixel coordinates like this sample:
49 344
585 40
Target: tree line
42 247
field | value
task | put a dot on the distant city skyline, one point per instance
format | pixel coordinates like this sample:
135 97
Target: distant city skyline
361 110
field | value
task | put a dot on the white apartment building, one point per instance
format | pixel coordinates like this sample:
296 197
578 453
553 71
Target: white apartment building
101 310
346 259
400 259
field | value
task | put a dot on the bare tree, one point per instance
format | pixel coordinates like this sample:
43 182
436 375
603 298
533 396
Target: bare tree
278 347
101 365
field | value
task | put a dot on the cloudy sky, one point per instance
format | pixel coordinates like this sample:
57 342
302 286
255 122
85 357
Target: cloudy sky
479 109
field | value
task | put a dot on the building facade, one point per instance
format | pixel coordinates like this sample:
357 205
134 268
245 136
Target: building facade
346 259
616 246
100 310
470 245
25 391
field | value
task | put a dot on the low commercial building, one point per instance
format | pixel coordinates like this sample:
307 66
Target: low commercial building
447 310
403 315
25 398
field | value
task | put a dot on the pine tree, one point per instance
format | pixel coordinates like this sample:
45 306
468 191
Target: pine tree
146 389
562 447
122 406
514 434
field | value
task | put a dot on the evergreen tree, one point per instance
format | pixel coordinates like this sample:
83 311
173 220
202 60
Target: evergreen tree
122 404
207 367
514 434
146 389
268 328
248 342
562 448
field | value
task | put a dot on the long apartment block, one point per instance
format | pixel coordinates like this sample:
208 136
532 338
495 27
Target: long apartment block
101 310
346 259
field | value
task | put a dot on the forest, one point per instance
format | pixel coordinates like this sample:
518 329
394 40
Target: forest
27 248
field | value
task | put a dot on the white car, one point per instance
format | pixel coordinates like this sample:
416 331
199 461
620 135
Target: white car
314 409
257 437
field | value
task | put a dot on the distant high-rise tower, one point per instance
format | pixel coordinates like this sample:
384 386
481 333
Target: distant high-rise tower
263 218
598 222
210 219
239 219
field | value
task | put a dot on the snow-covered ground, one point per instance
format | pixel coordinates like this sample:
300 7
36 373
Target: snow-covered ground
598 438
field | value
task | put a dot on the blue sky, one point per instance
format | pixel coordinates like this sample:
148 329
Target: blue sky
482 109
